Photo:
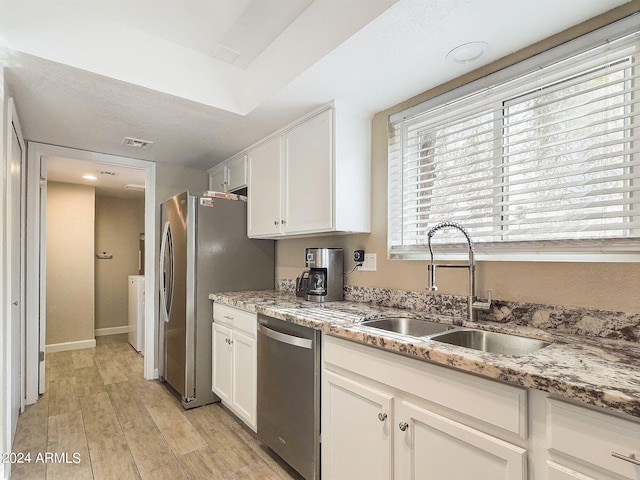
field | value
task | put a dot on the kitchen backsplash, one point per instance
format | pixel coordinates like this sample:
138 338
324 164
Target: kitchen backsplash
579 321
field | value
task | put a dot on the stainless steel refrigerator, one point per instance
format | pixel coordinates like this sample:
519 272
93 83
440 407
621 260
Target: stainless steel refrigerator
204 249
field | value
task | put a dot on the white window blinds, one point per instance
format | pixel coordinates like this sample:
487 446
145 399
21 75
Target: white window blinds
547 162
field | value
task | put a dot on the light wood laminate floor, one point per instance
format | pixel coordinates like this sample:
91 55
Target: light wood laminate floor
113 424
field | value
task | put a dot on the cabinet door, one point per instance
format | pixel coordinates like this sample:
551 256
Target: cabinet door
434 447
264 214
244 377
221 368
356 430
308 184
218 179
237 173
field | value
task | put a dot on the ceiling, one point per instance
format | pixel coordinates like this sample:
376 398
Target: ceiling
204 79
107 179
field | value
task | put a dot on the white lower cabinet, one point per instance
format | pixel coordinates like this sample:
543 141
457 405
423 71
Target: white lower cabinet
374 425
388 416
356 430
584 443
244 363
429 445
234 361
222 367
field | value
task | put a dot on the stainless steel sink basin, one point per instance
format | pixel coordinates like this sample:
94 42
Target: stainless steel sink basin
491 342
413 327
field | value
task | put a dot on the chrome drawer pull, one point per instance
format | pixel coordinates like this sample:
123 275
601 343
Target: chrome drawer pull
382 417
228 317
403 426
631 458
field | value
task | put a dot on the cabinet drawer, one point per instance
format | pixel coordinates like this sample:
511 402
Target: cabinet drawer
592 437
236 318
492 403
560 472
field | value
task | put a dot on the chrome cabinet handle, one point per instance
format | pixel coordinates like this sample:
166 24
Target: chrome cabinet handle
228 317
275 222
382 417
403 426
283 221
631 458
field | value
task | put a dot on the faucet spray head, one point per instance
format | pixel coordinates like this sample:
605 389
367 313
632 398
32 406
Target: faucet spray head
432 277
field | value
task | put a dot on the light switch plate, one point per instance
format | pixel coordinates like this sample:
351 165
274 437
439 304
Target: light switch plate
370 263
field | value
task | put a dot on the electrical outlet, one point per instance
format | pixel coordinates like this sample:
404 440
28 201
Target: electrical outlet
369 264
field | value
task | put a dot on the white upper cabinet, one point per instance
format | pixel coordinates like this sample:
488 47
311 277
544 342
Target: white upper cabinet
229 175
218 178
313 177
264 210
308 168
236 168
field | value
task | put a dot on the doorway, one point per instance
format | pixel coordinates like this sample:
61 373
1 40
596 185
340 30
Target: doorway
39 155
13 359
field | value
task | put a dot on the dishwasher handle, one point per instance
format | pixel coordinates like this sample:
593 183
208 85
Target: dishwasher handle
284 338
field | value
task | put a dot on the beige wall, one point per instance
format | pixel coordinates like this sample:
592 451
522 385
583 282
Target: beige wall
119 223
609 286
70 263
174 179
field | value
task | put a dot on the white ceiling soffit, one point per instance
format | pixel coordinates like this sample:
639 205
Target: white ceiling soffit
171 46
402 53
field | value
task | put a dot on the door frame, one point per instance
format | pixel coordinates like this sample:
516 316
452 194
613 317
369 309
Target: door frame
9 370
36 256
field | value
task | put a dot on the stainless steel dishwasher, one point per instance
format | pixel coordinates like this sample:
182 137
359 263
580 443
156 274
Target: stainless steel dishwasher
289 393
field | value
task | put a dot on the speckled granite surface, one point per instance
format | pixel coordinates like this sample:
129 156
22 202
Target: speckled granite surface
596 371
579 321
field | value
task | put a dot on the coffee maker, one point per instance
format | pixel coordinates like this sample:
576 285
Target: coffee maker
325 274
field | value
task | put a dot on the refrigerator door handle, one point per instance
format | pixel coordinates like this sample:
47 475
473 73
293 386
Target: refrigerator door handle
166 290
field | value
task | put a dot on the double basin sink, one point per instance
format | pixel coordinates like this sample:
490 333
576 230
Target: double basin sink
481 340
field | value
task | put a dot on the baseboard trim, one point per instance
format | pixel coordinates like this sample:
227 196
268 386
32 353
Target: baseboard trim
101 332
63 347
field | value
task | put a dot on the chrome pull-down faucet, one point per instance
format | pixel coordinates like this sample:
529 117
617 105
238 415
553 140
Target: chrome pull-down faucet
473 305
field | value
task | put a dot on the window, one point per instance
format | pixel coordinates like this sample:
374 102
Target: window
542 165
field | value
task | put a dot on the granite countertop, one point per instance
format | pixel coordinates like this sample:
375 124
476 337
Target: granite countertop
595 371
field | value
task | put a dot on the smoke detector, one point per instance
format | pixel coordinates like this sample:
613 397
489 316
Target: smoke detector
137 143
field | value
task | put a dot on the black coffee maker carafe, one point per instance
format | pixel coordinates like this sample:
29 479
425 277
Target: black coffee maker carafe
302 284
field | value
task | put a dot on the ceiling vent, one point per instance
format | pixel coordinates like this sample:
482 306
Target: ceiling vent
109 174
137 143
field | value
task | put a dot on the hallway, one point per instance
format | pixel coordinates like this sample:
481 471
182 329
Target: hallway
113 424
